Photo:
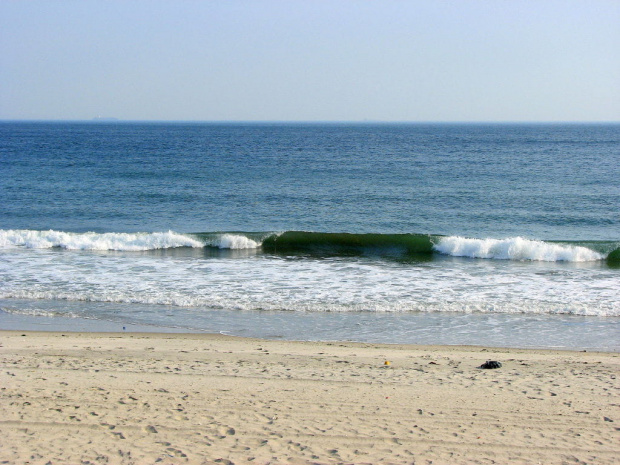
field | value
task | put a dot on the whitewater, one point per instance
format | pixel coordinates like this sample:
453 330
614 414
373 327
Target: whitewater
180 270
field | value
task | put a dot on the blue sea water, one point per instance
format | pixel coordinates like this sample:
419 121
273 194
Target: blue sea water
485 234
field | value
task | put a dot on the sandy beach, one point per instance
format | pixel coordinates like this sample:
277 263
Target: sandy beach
210 399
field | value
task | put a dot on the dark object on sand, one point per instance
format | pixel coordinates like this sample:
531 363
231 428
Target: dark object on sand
490 364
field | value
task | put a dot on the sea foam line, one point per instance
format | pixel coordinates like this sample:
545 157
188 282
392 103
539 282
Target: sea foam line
95 241
117 241
514 248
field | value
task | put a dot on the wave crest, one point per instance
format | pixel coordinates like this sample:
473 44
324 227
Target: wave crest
515 248
317 243
234 241
95 241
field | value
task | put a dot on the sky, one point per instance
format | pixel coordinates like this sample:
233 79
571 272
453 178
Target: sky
310 60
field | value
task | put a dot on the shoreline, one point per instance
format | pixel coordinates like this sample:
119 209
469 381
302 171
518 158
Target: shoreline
143 398
183 334
576 333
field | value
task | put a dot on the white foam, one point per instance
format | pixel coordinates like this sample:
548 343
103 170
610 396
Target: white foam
95 241
234 241
514 248
308 285
37 312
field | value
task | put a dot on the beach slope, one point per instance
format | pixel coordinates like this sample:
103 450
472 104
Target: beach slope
206 399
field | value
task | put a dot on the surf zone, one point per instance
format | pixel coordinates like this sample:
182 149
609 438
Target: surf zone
324 244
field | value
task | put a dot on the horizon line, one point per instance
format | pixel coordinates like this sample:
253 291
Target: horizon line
112 120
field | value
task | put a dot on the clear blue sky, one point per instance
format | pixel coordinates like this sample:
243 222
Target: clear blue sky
308 60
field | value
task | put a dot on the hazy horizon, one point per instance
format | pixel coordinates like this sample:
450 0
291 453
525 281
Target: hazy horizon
241 121
361 61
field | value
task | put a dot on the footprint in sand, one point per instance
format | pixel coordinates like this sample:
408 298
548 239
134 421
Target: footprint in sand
224 431
175 452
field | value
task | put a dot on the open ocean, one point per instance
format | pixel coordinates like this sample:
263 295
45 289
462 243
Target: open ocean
478 234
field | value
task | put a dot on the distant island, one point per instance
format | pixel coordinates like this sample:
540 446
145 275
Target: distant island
104 118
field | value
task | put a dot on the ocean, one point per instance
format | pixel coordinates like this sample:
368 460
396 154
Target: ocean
503 235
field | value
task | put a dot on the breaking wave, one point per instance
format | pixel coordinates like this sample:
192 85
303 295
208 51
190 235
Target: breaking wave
515 248
321 243
118 241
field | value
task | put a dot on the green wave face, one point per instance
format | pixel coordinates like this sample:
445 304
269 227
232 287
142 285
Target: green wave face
349 244
613 259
